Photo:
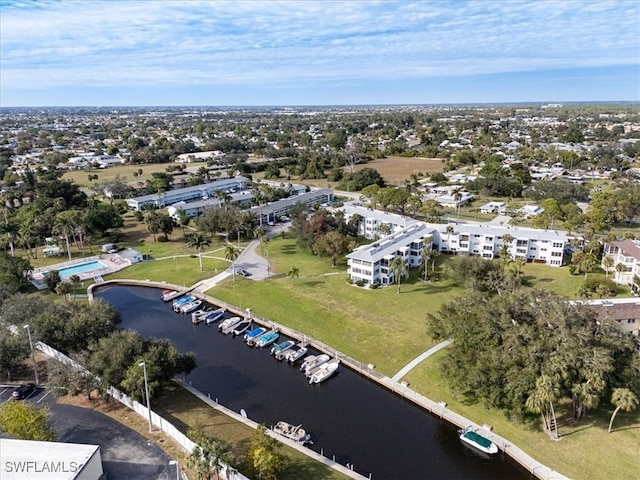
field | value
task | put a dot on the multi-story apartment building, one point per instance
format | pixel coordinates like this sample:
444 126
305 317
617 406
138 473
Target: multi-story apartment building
371 263
374 223
626 262
540 246
623 311
272 211
194 209
187 194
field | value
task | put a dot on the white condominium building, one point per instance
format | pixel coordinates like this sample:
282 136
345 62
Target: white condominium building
370 263
375 223
626 262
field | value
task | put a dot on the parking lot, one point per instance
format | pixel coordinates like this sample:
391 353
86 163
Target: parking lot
39 396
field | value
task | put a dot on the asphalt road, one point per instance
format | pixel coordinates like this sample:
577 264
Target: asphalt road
125 453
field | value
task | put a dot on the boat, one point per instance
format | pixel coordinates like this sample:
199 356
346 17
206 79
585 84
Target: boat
292 432
227 325
267 339
241 327
280 348
178 302
295 353
214 316
471 437
324 371
202 312
313 361
251 335
190 307
168 295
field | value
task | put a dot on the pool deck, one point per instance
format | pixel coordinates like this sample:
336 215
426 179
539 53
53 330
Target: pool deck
112 261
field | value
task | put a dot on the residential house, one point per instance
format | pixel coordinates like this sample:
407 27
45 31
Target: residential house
494 207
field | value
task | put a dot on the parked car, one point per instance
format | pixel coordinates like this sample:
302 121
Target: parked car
243 273
271 224
284 218
23 391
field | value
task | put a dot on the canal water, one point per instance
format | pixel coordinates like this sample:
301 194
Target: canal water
348 416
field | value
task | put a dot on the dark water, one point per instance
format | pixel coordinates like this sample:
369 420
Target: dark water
348 416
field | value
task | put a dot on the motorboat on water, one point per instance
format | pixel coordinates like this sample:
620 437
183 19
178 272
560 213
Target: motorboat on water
179 302
292 432
267 339
312 362
280 348
324 371
241 327
295 353
190 307
227 325
214 316
202 312
168 295
252 335
472 437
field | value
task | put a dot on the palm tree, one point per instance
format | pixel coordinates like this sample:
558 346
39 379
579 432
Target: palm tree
10 228
74 280
231 253
293 273
63 226
450 230
399 268
435 253
425 254
620 268
384 229
608 263
199 242
541 401
623 399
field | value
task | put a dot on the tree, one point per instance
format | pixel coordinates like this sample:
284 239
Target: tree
231 253
623 399
608 263
13 350
64 226
399 268
23 421
265 456
294 272
209 455
425 255
74 280
154 223
332 244
541 401
199 242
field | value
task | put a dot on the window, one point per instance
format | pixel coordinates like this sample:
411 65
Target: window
556 254
557 245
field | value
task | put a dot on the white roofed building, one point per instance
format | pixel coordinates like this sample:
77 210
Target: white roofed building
372 220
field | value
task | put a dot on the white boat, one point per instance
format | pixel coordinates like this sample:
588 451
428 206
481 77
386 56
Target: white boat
178 302
295 353
279 349
324 371
226 326
292 432
202 312
241 327
267 339
190 307
471 437
252 335
214 316
168 295
312 362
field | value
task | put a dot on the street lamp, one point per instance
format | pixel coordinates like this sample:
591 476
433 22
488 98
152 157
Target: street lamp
33 353
173 462
146 389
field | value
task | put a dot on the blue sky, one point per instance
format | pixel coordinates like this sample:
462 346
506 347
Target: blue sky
317 52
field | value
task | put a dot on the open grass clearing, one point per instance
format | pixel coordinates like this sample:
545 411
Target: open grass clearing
586 450
81 177
395 169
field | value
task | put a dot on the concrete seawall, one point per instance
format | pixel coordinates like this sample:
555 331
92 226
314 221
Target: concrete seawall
439 409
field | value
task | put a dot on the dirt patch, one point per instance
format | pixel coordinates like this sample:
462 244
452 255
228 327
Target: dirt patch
399 169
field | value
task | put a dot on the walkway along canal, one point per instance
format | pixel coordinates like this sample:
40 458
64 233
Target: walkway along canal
351 419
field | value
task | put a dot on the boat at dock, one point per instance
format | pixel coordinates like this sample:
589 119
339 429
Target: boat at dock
267 339
279 349
292 432
178 302
472 437
190 306
252 335
295 353
313 361
241 327
324 371
214 316
169 295
202 312
227 325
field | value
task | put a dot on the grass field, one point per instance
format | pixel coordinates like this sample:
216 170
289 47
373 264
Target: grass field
586 450
80 177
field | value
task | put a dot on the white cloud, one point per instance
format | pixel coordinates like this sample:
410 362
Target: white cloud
161 42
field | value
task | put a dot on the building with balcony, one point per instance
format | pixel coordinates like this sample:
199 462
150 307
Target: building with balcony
626 262
375 223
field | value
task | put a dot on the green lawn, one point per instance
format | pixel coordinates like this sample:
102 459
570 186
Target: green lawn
586 451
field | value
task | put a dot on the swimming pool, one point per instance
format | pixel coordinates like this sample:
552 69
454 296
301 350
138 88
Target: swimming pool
81 268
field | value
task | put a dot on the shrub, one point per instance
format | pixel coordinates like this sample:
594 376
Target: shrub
373 286
163 239
360 283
